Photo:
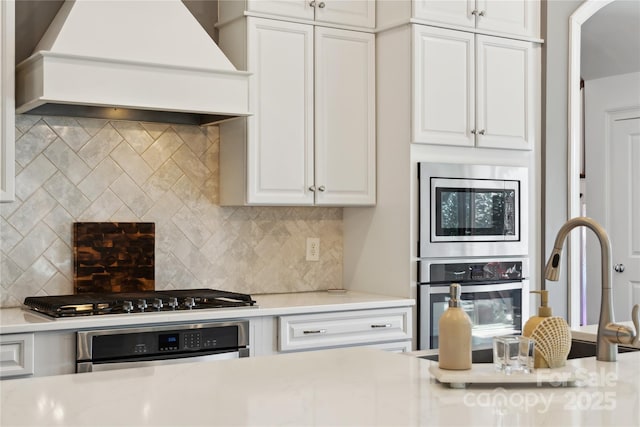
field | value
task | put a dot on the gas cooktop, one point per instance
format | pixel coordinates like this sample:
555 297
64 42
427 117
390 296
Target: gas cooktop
89 304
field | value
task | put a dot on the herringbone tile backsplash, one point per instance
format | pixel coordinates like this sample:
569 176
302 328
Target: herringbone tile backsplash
73 169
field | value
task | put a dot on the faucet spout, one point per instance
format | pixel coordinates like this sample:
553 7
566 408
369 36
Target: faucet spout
609 333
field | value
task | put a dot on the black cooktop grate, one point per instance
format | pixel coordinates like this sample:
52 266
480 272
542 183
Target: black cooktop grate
88 304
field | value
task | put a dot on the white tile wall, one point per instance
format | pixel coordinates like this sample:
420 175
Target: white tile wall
74 169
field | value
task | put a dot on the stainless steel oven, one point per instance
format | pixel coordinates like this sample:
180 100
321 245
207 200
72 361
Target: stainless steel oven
492 291
472 210
107 349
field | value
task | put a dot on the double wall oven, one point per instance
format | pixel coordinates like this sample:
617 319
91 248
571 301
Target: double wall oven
151 343
473 227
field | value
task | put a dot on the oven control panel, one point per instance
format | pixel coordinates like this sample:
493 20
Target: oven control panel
136 342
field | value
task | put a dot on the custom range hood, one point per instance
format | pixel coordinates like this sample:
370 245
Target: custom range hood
147 60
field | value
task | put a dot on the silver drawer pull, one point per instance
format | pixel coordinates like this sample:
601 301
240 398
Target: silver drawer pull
315 331
381 325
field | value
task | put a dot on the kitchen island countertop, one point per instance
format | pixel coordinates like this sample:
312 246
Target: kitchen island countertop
355 386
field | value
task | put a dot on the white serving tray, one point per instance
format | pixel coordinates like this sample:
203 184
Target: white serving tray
485 373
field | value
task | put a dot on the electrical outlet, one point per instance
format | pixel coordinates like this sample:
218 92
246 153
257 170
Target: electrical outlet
313 249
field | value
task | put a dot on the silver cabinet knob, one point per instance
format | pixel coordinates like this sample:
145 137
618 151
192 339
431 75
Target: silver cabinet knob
473 131
481 13
619 268
312 188
481 132
474 12
321 5
312 3
321 188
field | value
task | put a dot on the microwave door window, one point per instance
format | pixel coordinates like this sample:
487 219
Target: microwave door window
452 211
472 212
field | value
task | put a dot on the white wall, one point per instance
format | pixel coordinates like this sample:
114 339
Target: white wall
603 95
555 32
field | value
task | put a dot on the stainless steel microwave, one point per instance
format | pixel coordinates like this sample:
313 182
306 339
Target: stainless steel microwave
472 210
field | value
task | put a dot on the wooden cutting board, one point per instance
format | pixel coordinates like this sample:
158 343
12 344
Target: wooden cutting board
113 256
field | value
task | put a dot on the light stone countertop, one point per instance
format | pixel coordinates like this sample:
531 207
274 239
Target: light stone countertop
355 386
18 320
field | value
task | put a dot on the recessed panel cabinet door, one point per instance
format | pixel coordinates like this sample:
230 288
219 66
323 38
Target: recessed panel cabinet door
280 140
505 93
345 117
444 88
7 102
514 16
456 12
346 12
302 9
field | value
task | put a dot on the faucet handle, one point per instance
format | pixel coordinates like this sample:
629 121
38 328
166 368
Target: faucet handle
635 317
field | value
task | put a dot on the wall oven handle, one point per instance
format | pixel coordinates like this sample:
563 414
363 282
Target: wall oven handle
478 288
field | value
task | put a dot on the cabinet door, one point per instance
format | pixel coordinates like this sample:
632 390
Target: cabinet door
302 9
506 104
16 355
7 101
444 88
280 133
455 12
360 13
515 16
345 117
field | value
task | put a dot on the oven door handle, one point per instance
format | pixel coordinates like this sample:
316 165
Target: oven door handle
96 366
478 288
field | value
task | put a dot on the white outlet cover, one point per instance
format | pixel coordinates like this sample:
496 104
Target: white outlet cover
313 249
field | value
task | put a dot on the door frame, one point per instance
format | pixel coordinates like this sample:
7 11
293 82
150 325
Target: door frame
581 15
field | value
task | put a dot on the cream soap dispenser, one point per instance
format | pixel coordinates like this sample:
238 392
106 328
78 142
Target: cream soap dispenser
455 334
551 334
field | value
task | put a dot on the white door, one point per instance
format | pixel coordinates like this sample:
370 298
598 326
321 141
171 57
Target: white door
280 133
624 212
345 117
444 86
505 77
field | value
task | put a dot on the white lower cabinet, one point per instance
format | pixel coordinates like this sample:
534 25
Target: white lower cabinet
16 355
384 328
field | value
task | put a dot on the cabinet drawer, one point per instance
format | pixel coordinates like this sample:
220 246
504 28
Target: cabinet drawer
16 355
308 331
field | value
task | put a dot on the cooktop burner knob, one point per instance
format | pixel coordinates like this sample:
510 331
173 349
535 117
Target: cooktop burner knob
189 302
173 303
127 306
157 304
142 304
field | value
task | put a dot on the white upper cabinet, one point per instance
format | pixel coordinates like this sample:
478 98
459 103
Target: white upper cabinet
444 82
473 90
311 138
280 133
520 18
344 117
7 101
359 13
506 77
